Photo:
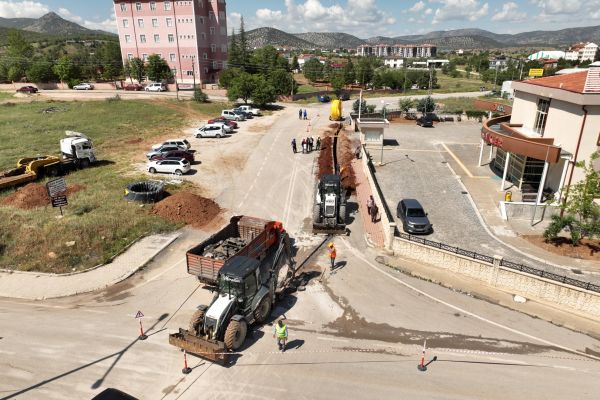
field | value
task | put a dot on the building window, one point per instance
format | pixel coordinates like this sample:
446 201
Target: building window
140 22
171 38
211 16
190 73
541 116
172 56
215 64
138 6
202 20
223 30
156 38
212 30
155 22
167 5
203 35
205 56
153 5
142 38
205 70
223 48
127 38
123 7
145 57
213 48
130 56
221 16
125 23
169 21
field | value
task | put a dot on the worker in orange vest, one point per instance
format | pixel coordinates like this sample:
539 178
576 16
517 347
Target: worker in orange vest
332 254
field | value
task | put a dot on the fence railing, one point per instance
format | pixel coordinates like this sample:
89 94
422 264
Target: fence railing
504 263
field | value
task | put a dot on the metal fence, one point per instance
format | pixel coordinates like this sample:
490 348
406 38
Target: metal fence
504 263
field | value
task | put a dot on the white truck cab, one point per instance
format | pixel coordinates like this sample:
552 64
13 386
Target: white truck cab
77 146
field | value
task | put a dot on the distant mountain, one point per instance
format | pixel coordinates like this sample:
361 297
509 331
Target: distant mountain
471 38
330 40
50 23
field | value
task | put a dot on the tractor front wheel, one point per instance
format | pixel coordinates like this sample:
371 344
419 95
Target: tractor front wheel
196 323
235 334
263 310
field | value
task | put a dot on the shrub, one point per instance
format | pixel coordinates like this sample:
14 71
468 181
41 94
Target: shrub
200 96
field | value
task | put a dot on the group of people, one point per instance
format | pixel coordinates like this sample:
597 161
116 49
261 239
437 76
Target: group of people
372 209
302 114
308 144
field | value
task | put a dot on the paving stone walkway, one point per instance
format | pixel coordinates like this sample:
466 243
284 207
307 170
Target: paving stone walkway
363 191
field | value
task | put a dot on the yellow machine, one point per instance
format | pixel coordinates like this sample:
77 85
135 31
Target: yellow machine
336 110
27 170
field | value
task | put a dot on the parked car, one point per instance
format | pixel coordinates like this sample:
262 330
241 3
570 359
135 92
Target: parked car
230 114
170 166
181 143
178 154
251 110
136 87
161 150
229 122
344 96
324 98
226 127
425 122
156 87
83 86
239 111
27 89
211 130
413 216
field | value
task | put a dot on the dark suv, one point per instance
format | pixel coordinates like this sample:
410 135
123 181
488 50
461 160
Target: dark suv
413 216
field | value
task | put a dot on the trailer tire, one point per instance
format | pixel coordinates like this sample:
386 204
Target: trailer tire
263 310
196 322
84 163
235 334
52 171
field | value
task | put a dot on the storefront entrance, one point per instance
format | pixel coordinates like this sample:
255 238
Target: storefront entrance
523 172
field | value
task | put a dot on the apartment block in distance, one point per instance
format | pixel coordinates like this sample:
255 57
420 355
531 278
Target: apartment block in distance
398 50
190 35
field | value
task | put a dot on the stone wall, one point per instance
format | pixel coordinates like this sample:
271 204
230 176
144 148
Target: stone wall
569 298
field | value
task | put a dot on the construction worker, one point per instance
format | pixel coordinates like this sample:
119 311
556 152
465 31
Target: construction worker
300 114
319 143
332 254
294 149
280 332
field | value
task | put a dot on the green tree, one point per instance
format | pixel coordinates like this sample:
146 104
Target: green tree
200 96
244 51
263 92
234 58
41 72
109 55
15 73
17 47
313 70
157 68
65 69
327 71
362 104
337 83
137 69
241 87
281 81
426 105
364 71
406 104
3 72
349 75
228 75
581 216
295 65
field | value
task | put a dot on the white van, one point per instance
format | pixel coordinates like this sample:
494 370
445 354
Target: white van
156 87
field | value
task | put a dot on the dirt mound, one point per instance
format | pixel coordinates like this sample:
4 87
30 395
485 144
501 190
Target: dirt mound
188 208
345 153
34 195
325 157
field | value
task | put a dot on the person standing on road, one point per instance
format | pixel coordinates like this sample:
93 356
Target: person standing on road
370 202
280 332
300 114
319 143
304 146
332 254
310 144
294 149
305 114
374 212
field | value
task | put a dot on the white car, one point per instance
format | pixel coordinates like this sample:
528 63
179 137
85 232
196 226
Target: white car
83 86
226 128
170 166
183 144
156 87
246 108
211 130
231 115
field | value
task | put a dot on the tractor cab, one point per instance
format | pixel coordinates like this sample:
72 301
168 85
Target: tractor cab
239 278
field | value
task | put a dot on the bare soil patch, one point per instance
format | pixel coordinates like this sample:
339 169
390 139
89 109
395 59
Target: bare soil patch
188 208
34 195
587 249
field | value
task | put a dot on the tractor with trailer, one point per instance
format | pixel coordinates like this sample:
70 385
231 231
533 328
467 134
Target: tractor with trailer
247 279
77 151
329 210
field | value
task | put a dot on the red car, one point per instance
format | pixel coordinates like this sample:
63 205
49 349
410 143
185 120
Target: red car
228 122
27 89
133 87
174 154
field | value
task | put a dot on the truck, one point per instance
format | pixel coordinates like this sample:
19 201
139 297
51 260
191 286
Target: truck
248 109
77 151
248 283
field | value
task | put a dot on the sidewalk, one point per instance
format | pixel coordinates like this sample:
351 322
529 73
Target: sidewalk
39 286
374 231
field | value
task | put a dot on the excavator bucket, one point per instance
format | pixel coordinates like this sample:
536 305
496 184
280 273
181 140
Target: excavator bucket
214 351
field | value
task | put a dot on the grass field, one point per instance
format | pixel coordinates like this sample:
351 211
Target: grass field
6 95
97 218
466 103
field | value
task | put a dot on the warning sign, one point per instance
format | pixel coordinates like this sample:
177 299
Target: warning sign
536 72
139 314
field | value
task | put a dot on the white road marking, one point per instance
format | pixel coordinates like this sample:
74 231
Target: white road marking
483 319
332 339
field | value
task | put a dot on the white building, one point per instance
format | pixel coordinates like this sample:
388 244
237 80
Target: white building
399 50
393 62
582 52
552 55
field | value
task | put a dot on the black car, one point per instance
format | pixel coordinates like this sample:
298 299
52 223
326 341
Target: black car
344 96
425 122
413 216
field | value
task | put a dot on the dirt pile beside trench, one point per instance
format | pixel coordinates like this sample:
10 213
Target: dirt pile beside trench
346 148
34 195
188 208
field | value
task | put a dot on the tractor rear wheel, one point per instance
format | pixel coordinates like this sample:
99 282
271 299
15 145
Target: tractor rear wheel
196 323
263 311
235 334
317 214
342 216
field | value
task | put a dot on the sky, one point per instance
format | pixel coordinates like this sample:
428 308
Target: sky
362 18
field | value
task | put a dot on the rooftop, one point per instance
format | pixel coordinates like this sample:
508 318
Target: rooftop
574 82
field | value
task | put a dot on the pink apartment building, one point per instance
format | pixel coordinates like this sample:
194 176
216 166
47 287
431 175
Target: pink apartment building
190 35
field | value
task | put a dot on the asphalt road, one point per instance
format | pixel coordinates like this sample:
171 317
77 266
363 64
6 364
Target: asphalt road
357 334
